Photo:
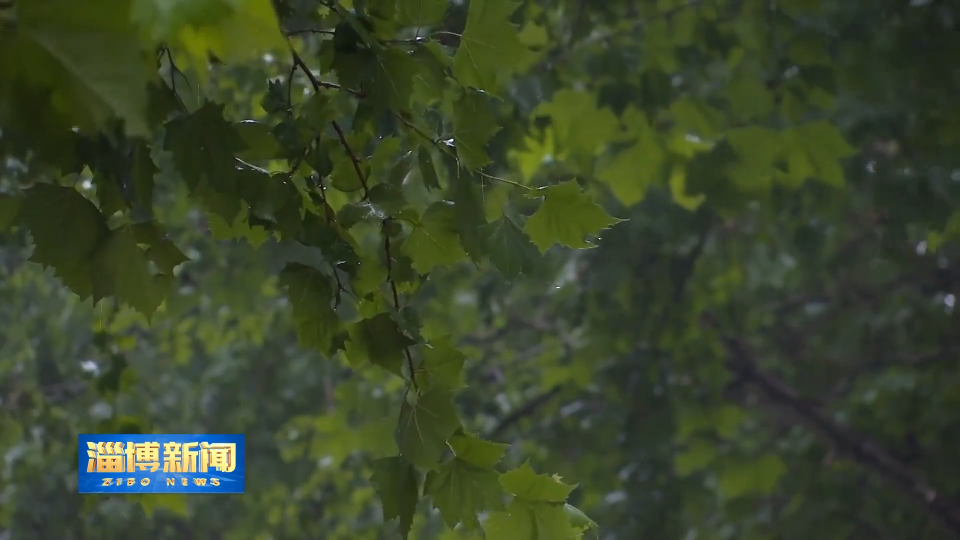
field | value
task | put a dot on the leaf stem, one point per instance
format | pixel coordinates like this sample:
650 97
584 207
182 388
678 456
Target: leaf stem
396 299
513 183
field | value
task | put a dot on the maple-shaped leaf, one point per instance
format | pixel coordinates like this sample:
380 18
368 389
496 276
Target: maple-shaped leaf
234 31
203 145
381 341
396 482
632 171
566 217
434 240
9 211
464 190
67 228
161 250
579 520
431 78
508 247
523 520
260 142
579 125
427 170
815 151
142 171
489 46
526 484
421 13
120 270
442 365
471 449
103 70
311 295
393 76
473 126
387 76
109 193
425 426
537 511
370 276
466 485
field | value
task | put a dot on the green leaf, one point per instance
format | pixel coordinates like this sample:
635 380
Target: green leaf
234 31
426 425
67 229
431 77
161 250
580 126
108 194
749 98
100 52
434 241
464 191
758 150
814 150
427 171
696 456
473 126
397 486
311 296
489 46
121 271
579 520
393 79
461 489
370 277
421 13
476 451
175 503
143 171
565 217
529 486
9 211
523 520
634 170
508 247
203 146
261 145
678 188
755 476
442 365
381 341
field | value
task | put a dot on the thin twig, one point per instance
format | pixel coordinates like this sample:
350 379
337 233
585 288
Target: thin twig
450 152
314 81
298 62
353 158
310 31
366 195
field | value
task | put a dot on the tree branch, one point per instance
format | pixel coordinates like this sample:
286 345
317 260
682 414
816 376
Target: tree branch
524 411
741 362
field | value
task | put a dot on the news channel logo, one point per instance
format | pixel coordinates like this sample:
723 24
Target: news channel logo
113 463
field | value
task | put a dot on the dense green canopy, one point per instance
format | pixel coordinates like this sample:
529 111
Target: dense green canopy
484 268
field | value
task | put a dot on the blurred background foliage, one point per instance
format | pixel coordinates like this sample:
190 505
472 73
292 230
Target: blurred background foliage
767 349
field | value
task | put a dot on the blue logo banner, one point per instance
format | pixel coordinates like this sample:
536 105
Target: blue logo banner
161 464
